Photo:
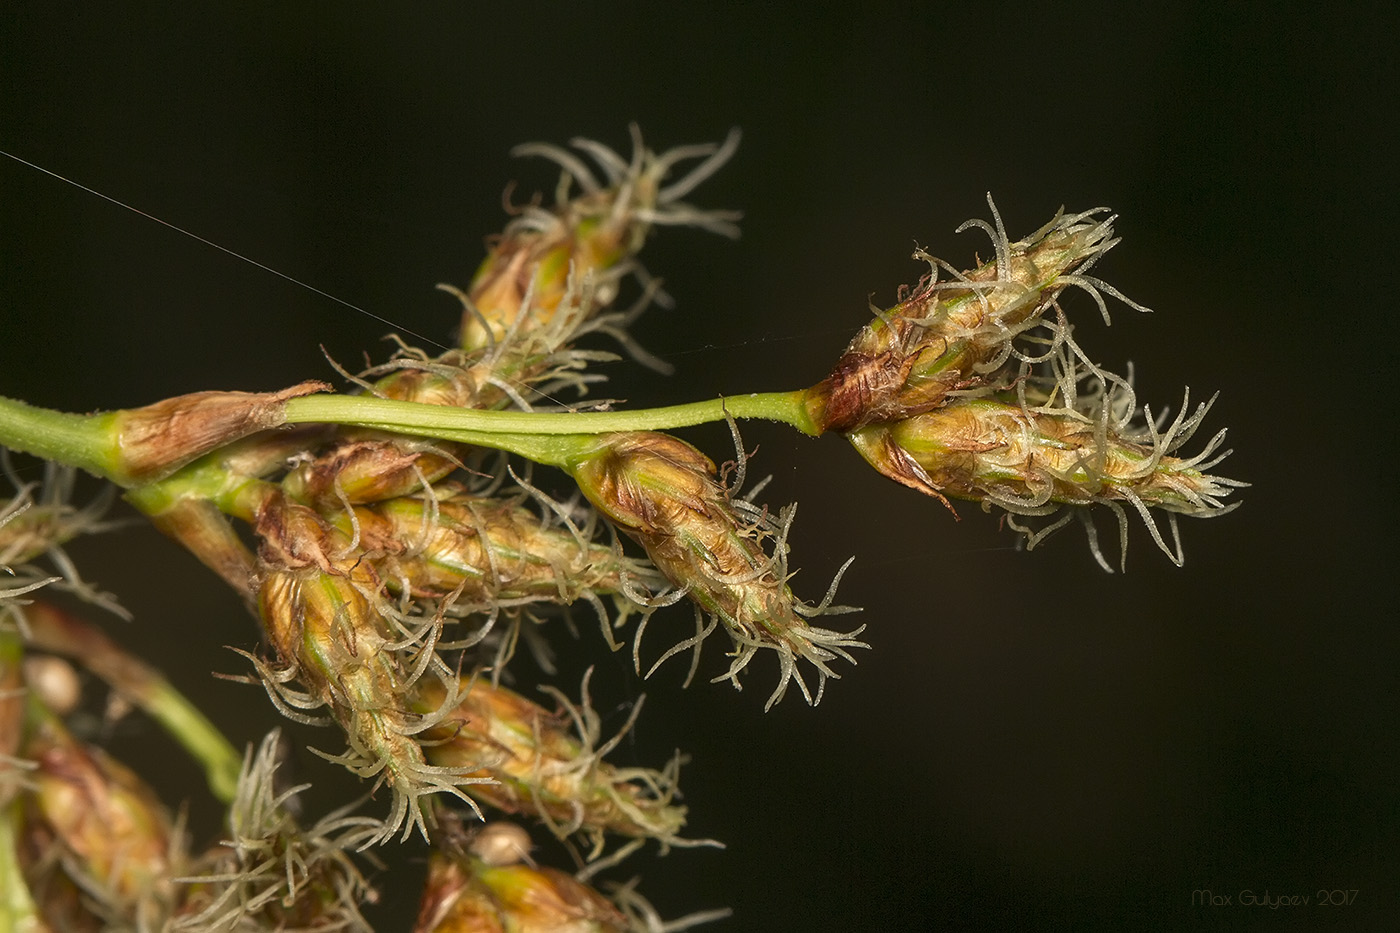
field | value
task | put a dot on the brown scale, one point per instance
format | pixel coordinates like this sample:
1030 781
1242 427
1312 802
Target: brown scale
371 466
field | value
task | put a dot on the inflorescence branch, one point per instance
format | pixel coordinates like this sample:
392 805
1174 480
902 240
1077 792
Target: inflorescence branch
396 558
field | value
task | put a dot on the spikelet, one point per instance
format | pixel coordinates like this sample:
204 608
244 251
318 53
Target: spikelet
354 653
551 764
481 553
1033 462
432 544
465 894
592 236
272 874
32 527
490 885
323 592
665 494
98 839
544 285
952 336
970 387
365 468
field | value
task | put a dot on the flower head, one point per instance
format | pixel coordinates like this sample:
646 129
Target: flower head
271 873
551 764
951 336
354 652
97 827
711 546
969 387
1038 461
592 235
487 883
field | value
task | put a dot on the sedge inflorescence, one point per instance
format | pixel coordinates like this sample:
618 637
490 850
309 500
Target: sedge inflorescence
36 521
380 577
973 387
398 557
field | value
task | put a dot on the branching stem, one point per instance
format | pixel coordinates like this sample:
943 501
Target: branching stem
454 423
93 442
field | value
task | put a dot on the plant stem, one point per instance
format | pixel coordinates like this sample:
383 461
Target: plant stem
53 629
200 737
452 423
17 909
93 442
207 478
84 441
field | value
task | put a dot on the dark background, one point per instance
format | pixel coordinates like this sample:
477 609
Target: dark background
1031 743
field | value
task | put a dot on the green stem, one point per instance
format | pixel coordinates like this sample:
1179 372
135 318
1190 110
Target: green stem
17 909
455 423
55 630
200 737
93 443
85 441
207 478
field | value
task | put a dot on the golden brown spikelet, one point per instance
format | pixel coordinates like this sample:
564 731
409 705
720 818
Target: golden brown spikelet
666 495
550 764
95 821
952 335
335 633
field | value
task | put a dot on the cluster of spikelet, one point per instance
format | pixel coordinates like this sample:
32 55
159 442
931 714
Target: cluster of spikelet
973 386
393 579
394 576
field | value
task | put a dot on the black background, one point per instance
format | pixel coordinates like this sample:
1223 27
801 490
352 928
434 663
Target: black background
1031 743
